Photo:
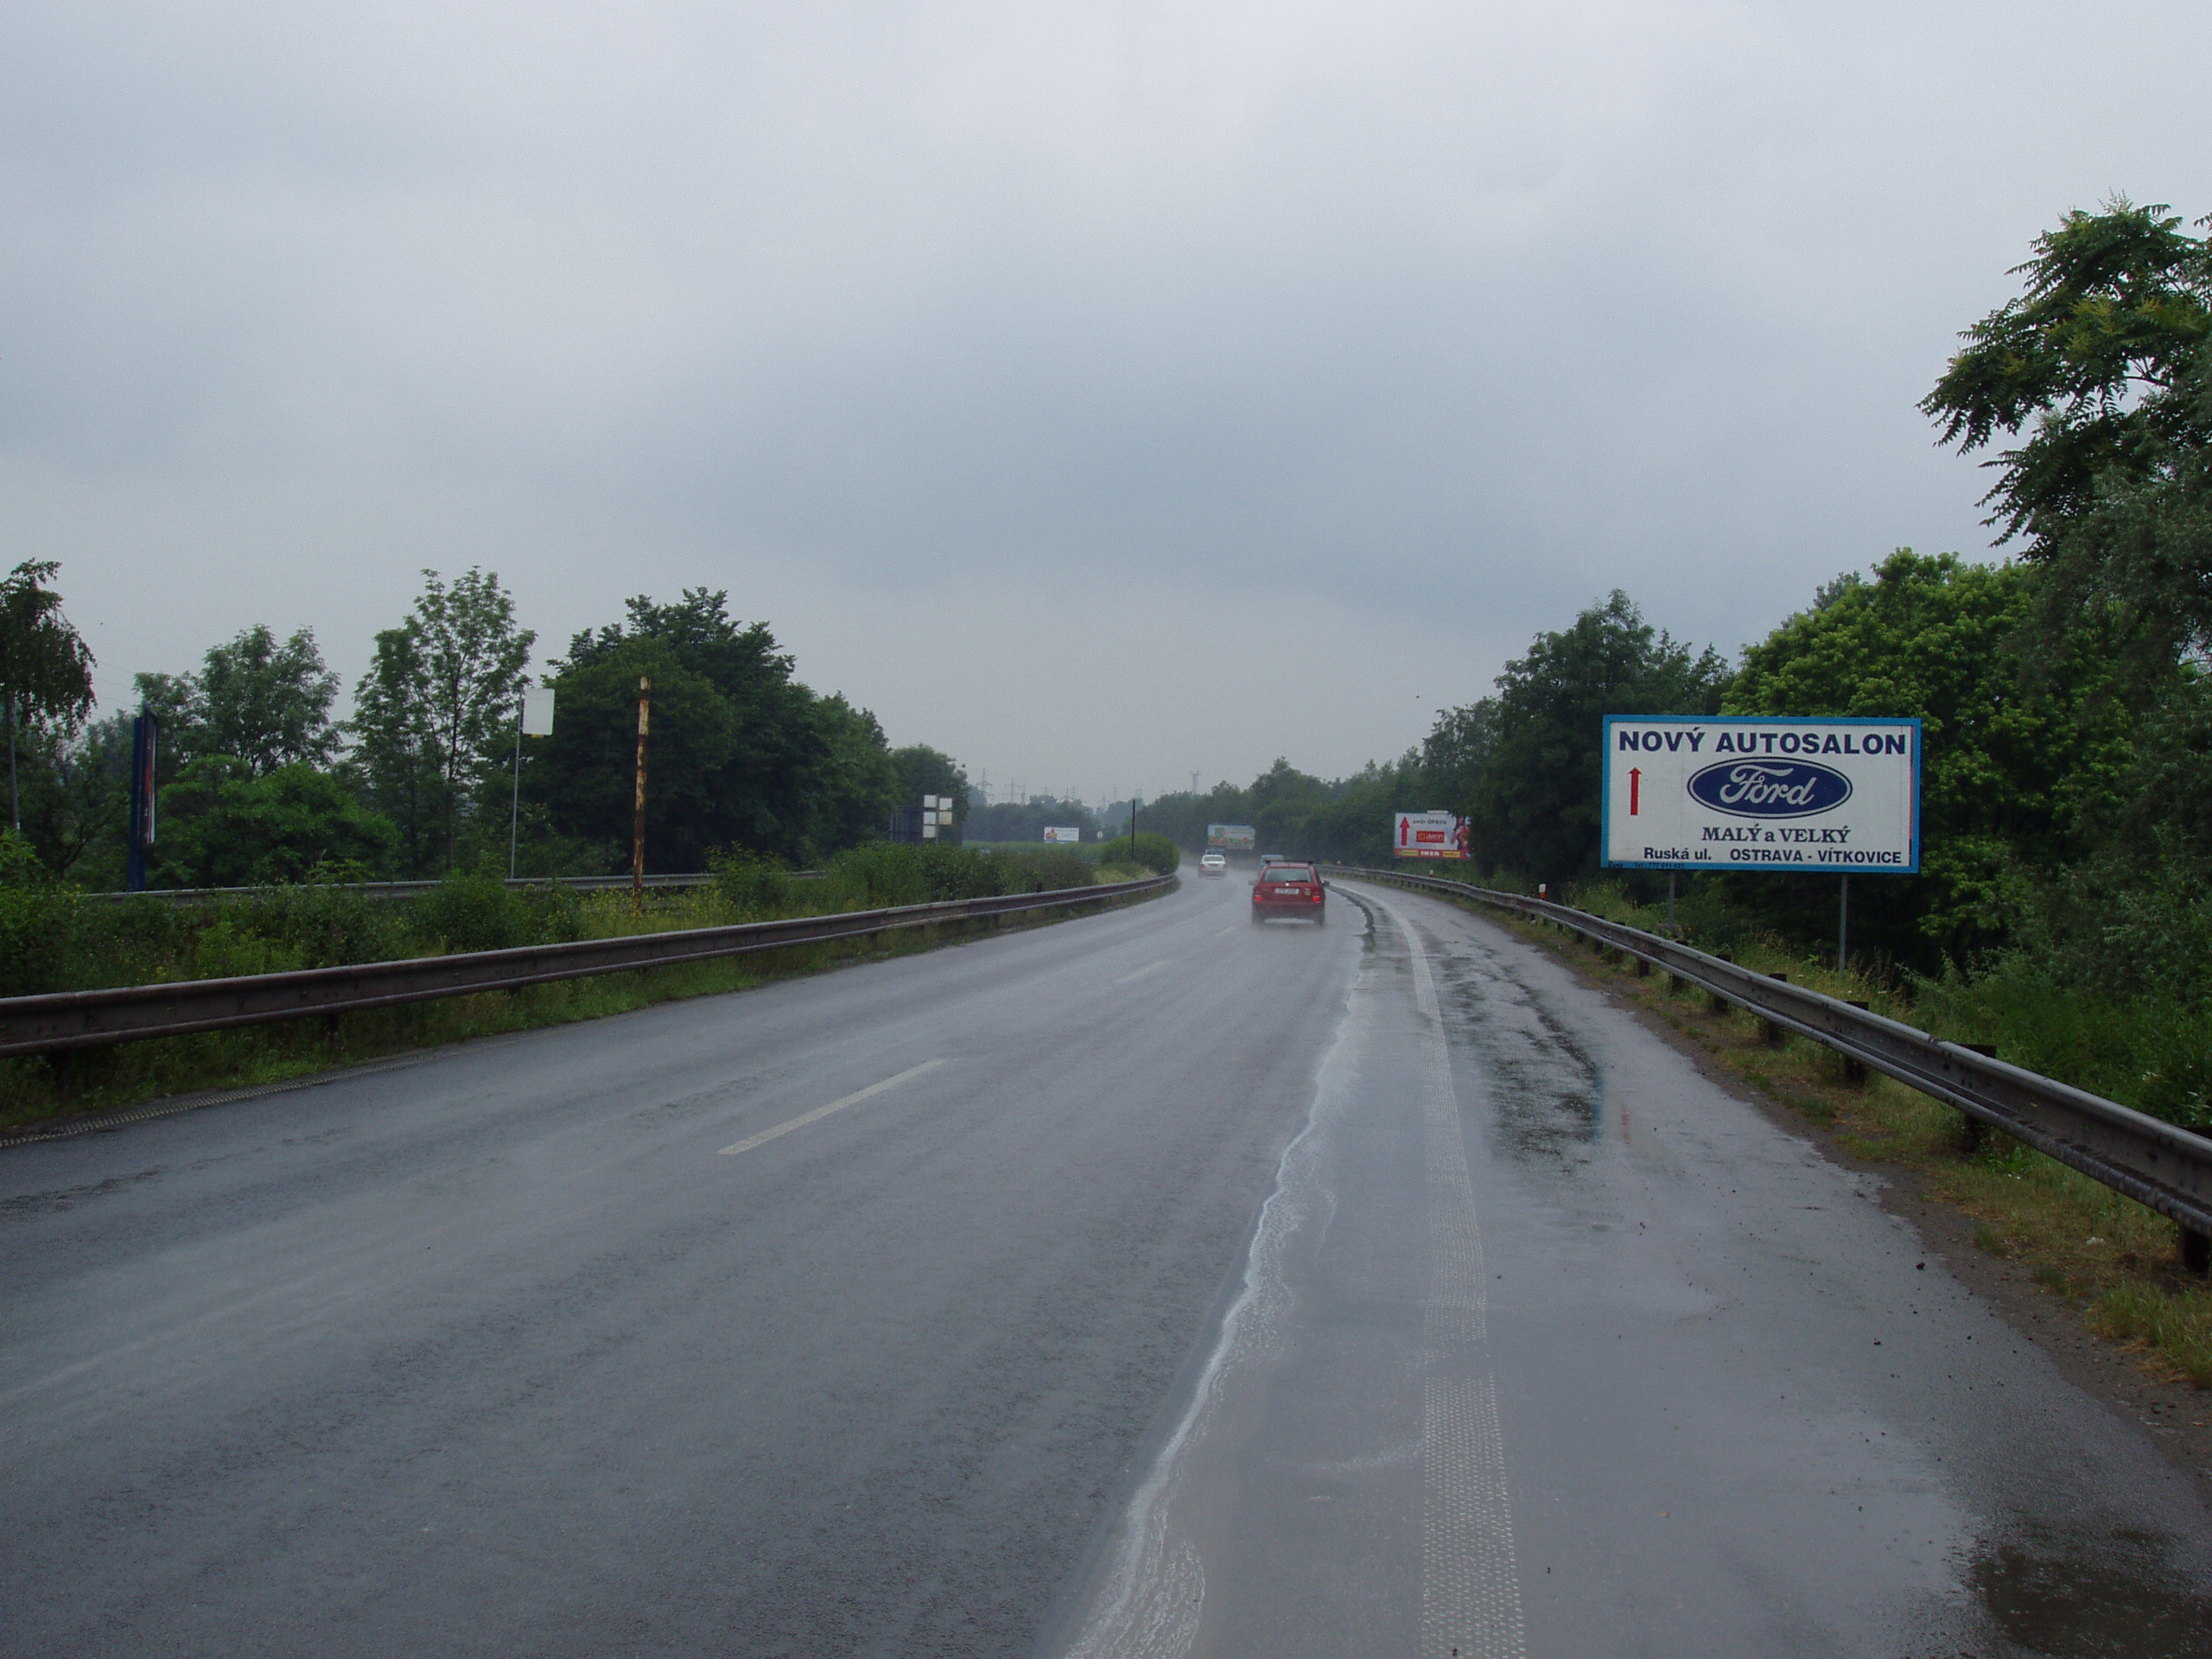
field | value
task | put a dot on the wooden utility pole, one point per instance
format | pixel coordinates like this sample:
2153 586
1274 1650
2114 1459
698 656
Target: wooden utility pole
638 820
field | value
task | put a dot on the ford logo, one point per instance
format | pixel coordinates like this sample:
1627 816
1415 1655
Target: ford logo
1769 789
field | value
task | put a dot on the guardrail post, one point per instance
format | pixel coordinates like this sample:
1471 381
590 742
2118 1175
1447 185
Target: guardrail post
1854 1069
1770 1033
1642 969
1973 1133
2196 1252
1714 1002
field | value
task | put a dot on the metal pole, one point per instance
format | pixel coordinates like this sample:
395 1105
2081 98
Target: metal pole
1670 900
638 818
15 806
1843 927
514 802
141 736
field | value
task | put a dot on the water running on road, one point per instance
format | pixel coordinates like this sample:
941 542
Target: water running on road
1210 1557
1738 1412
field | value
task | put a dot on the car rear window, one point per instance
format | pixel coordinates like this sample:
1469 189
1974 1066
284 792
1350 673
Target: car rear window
1289 873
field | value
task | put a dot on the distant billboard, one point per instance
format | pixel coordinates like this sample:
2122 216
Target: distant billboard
1058 833
1232 837
1762 793
1428 835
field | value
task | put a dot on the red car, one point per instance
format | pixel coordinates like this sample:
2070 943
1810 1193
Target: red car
1290 890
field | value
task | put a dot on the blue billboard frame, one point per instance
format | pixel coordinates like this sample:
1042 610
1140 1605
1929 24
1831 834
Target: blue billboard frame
1799 721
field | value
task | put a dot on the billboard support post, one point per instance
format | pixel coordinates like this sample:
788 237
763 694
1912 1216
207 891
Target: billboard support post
145 736
1843 925
638 812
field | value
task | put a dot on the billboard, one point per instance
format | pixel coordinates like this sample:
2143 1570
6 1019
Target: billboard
1428 835
1232 837
1055 833
1762 792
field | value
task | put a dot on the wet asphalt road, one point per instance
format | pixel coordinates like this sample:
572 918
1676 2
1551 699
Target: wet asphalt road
1159 1285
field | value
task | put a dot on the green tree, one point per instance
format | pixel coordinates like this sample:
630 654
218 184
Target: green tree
586 771
227 827
434 713
923 771
46 670
255 699
1536 802
2016 767
801 774
2107 360
268 703
75 794
394 755
1456 754
2104 355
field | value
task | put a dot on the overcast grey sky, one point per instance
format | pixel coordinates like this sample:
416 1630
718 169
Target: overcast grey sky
1097 391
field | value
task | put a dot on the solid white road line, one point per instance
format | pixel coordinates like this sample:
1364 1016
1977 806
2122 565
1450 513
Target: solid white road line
1142 972
821 1112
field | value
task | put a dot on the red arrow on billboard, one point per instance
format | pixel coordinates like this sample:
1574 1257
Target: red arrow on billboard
1405 831
1634 783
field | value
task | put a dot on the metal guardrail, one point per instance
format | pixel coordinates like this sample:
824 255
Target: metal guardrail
417 889
2157 1163
59 1021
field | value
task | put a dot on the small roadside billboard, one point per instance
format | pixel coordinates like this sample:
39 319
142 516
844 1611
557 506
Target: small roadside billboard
1069 834
1428 835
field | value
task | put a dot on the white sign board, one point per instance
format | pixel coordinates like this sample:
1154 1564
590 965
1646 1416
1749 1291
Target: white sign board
1232 837
1056 834
537 711
1428 835
1762 793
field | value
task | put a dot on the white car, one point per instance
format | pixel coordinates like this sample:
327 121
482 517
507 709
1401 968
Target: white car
1213 864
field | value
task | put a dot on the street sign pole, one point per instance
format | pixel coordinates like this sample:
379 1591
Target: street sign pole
533 718
1843 927
514 803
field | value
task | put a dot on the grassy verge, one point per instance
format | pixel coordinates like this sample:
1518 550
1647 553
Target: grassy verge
2112 1261
303 928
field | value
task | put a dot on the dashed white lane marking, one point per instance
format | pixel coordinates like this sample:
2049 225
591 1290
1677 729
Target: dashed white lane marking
1471 1586
821 1112
1142 972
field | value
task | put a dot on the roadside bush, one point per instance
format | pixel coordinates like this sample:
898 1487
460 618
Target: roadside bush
469 912
1143 851
884 873
323 926
1044 870
753 883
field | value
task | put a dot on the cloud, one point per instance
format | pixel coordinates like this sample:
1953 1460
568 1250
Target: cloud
912 324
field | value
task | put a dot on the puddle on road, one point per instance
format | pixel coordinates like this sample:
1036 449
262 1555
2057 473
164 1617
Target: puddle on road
2114 1595
68 1198
1546 1091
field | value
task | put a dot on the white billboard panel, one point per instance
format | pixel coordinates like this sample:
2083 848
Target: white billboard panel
1232 837
1428 835
1055 833
1764 792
